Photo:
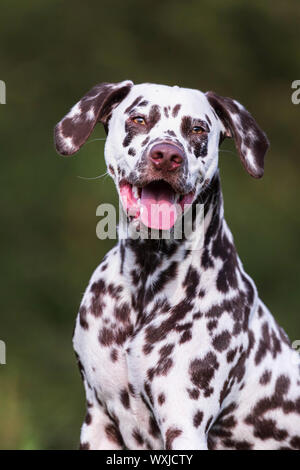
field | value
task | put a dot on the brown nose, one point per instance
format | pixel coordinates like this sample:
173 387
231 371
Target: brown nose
165 156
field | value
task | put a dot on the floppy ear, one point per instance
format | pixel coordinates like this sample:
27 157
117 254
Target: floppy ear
96 106
251 142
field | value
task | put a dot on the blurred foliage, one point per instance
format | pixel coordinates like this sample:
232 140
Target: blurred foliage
51 53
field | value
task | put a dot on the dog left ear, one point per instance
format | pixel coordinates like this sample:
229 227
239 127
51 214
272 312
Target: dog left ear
96 106
251 142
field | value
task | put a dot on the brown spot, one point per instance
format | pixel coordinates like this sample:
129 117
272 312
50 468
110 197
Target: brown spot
171 435
124 397
267 428
80 367
193 393
131 389
282 385
197 315
122 312
123 333
177 313
238 445
264 344
88 418
295 442
154 116
99 290
207 118
138 437
198 419
266 377
212 325
171 133
133 104
222 341
131 152
82 317
106 336
147 348
113 434
114 291
161 399
191 282
231 355
145 142
186 336
84 446
202 371
176 110
153 427
114 355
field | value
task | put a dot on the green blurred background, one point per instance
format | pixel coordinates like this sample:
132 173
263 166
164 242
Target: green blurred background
51 53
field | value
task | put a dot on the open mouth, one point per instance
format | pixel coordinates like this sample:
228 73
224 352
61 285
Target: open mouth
156 204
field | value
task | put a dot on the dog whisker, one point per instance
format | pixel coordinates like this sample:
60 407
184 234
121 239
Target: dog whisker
94 140
93 177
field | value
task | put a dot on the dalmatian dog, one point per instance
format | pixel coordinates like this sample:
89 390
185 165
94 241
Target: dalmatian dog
175 348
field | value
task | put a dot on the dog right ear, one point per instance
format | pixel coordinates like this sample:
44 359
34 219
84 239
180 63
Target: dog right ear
251 142
96 106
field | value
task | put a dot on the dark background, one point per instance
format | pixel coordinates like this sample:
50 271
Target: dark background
51 53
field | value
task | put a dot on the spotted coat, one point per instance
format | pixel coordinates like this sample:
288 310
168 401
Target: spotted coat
174 346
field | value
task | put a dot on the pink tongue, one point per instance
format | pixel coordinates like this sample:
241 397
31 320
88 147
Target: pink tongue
158 209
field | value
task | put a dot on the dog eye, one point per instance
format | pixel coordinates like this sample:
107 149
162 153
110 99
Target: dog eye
139 120
197 130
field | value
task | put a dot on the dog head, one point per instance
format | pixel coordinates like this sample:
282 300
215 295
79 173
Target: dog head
162 143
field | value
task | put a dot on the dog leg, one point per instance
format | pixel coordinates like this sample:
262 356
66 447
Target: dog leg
99 431
179 434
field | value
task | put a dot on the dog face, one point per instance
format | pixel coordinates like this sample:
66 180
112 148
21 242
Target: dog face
162 143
